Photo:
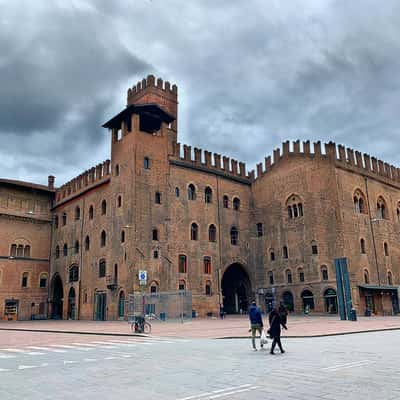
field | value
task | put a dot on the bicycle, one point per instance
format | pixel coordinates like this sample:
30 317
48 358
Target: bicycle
140 325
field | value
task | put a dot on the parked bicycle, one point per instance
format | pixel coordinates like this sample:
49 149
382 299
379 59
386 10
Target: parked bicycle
140 325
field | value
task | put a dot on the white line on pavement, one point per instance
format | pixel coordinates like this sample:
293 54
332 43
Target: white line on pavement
90 359
233 392
65 346
4 369
348 365
213 392
47 349
3 356
27 366
14 350
85 344
70 362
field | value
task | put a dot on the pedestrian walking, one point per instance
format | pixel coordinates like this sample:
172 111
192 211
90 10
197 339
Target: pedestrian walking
221 311
274 330
256 324
283 313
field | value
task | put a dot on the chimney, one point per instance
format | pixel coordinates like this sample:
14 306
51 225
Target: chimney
51 180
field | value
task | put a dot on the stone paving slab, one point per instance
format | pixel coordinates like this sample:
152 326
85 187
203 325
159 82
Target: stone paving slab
230 327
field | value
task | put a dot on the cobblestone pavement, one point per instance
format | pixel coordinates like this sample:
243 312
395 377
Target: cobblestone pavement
359 366
233 326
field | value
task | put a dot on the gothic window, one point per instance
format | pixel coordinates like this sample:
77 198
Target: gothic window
236 203
225 201
177 193
56 221
117 170
91 212
155 234
65 250
289 276
294 207
194 232
191 192
366 277
13 250
386 249
324 273
27 251
43 280
146 163
119 201
24 282
260 229
272 255
234 235
314 248
389 278
285 254
181 285
207 265
123 237
208 288
208 195
155 254
271 277
102 268
64 219
87 243
301 275
154 287
362 246
57 251
77 213
77 247
103 207
359 202
73 273
20 250
182 264
157 198
212 233
381 209
103 238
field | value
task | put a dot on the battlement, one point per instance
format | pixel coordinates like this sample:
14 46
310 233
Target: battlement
211 162
337 154
85 181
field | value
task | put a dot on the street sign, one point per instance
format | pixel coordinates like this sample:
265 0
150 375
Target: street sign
142 277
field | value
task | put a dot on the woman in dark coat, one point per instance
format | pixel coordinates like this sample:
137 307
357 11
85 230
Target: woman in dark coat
274 331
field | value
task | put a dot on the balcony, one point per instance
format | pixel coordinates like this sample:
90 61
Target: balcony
112 282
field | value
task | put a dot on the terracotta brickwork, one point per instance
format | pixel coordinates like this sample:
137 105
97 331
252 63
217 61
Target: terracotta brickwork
200 221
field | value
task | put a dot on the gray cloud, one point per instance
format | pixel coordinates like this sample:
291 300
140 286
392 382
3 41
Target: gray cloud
250 75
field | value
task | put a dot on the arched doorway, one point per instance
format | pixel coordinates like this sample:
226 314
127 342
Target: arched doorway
236 289
288 301
308 300
121 305
71 304
57 294
330 300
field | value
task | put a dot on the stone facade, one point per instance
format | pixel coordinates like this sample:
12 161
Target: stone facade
200 221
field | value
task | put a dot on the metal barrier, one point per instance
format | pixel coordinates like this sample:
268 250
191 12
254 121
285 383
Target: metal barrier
163 306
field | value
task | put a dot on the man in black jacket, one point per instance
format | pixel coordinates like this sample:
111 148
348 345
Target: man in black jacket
256 323
274 331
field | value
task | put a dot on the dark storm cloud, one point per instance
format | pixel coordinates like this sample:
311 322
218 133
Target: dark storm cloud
250 75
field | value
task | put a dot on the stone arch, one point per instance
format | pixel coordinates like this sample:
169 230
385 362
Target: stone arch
330 300
288 300
57 297
236 288
121 304
308 300
71 304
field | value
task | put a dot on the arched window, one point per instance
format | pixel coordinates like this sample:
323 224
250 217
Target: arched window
182 264
324 273
27 251
103 238
155 253
177 193
117 170
43 280
259 229
64 219
285 253
308 300
271 277
381 209
366 276
77 213
294 207
385 249
301 274
119 201
191 192
225 201
182 285
390 278
146 163
194 232
212 233
123 237
102 268
91 212
103 207
207 265
236 203
65 250
272 255
115 272
77 247
157 198
289 278
24 282
362 246
154 287
359 202
155 234
208 195
73 273
57 251
121 305
56 221
87 243
234 236
20 250
314 248
208 288
13 250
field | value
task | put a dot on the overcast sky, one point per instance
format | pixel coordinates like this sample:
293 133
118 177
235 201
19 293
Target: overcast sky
250 74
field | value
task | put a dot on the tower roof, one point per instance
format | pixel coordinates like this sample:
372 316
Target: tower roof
152 110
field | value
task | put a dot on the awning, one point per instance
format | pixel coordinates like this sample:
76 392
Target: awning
377 287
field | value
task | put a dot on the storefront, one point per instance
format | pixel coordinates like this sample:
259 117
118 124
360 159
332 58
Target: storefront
378 300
